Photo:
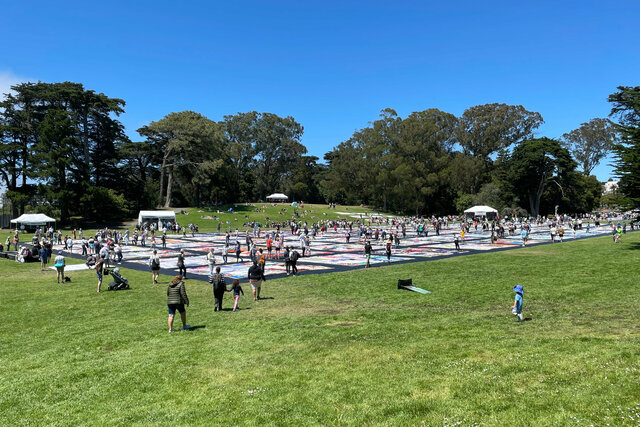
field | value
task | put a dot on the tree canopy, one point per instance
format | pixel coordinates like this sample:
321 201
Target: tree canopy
63 151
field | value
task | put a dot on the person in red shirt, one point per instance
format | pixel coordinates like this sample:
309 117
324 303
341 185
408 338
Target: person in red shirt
269 246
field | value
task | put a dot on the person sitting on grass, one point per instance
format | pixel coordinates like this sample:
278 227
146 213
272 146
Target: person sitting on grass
176 300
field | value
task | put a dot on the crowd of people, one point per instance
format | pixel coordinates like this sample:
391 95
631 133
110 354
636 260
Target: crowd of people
104 248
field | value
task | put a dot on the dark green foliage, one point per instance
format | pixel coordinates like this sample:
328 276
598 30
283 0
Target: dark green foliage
63 137
626 107
63 151
533 167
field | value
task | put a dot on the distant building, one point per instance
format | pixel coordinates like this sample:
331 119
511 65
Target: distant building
610 187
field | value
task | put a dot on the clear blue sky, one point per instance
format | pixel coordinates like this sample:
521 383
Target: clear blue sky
331 65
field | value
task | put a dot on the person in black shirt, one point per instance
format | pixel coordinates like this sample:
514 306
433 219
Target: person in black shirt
367 252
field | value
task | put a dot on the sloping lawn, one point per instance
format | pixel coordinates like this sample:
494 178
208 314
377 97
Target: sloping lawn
343 348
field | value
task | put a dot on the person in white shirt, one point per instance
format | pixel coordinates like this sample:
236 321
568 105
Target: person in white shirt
211 259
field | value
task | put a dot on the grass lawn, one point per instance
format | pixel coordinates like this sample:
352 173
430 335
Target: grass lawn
263 212
341 348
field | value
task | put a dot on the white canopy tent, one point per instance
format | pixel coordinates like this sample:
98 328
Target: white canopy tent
155 216
32 220
487 211
278 197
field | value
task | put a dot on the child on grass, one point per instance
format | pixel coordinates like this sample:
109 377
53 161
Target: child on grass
237 290
517 304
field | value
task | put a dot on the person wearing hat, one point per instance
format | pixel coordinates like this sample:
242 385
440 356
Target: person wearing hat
517 304
59 264
176 300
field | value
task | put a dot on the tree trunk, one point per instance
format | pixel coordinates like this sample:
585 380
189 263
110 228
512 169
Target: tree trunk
169 183
162 168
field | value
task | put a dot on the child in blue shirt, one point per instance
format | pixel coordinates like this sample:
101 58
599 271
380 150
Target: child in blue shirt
517 304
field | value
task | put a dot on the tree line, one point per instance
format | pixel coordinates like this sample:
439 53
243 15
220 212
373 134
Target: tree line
63 151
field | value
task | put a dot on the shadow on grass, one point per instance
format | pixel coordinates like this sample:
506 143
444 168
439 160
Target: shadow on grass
193 328
261 298
634 246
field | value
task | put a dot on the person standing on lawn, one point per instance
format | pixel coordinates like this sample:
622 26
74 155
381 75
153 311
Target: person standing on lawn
517 304
154 264
176 300
59 264
42 253
99 269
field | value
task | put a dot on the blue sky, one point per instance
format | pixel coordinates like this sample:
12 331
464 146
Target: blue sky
331 65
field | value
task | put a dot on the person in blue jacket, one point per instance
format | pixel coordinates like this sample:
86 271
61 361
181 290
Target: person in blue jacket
517 304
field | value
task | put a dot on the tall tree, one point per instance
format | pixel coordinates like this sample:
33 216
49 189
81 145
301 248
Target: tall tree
533 166
626 107
277 147
190 145
590 143
485 129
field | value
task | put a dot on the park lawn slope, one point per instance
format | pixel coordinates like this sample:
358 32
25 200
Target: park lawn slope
342 348
244 213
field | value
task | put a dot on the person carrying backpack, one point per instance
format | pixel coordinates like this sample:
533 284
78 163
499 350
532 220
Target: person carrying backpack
219 288
256 277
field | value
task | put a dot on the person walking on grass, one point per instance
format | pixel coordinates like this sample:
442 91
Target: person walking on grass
237 290
256 277
42 253
516 309
154 264
182 268
367 253
99 269
219 288
59 264
176 300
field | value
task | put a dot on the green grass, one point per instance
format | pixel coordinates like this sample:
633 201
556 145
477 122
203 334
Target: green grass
342 348
263 212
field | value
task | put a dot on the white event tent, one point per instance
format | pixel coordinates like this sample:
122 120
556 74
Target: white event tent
278 197
155 216
487 211
33 220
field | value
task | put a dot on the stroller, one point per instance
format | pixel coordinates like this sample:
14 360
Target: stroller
119 282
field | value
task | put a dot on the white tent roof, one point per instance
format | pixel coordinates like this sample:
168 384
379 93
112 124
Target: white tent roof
33 219
480 209
278 196
156 214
